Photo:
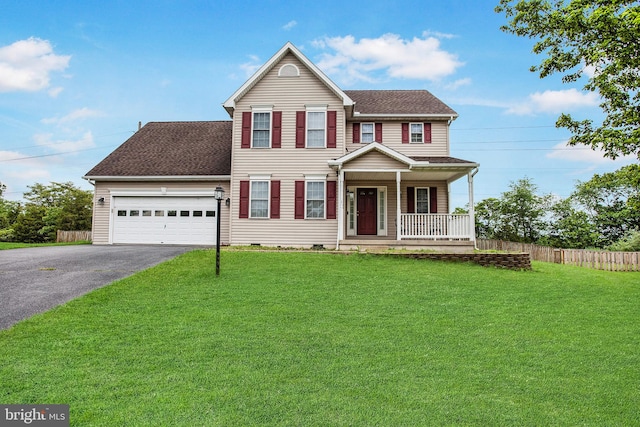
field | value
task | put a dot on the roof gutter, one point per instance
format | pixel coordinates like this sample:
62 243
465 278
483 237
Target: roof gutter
160 178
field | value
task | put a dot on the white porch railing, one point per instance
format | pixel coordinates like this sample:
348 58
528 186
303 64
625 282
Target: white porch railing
435 226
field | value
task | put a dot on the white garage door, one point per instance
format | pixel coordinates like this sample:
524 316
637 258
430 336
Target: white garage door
164 220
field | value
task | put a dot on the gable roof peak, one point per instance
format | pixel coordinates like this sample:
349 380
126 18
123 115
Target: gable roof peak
288 47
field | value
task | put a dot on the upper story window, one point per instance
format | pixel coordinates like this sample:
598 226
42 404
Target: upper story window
417 132
366 133
316 125
261 130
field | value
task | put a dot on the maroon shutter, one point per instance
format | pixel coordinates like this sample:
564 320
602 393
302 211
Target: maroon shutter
246 130
427 132
433 200
244 199
411 200
275 199
332 135
378 132
299 200
405 133
276 135
331 199
356 133
300 128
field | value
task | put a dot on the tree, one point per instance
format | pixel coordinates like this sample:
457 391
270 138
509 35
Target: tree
9 211
612 201
57 206
518 216
596 38
569 227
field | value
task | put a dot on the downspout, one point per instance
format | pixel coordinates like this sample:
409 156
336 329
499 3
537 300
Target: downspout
472 213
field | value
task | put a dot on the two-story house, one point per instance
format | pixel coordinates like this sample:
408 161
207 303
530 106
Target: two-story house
303 163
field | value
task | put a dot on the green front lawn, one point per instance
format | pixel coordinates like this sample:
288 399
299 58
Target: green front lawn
322 339
12 245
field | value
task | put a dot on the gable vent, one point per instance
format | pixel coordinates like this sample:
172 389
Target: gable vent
288 70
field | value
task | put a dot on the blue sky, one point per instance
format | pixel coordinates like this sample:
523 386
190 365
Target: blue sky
76 77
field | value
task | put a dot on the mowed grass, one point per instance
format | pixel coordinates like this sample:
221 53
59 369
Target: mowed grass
318 339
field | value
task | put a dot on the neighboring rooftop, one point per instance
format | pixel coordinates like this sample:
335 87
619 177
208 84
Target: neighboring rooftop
397 102
171 149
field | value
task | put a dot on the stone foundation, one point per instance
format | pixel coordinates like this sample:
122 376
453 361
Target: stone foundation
510 261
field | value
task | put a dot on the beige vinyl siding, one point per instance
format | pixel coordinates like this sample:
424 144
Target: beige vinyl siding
287 164
102 213
375 160
392 138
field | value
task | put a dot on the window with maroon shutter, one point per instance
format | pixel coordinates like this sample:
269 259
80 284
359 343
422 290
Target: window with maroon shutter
332 135
276 138
356 133
299 200
246 130
331 199
300 128
405 133
379 132
275 199
244 199
427 132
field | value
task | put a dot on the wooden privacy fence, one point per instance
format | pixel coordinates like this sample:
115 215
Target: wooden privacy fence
600 260
64 236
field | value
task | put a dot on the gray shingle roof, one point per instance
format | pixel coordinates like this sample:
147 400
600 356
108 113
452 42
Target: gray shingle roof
398 102
171 149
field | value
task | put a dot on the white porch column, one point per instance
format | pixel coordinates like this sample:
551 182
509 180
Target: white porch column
340 207
472 213
398 210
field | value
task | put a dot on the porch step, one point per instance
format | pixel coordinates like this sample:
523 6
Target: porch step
454 246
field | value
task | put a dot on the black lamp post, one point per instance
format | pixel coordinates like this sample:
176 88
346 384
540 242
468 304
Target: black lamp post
218 194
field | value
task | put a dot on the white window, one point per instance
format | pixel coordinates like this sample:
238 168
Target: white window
259 199
366 132
315 199
316 125
261 130
416 132
422 200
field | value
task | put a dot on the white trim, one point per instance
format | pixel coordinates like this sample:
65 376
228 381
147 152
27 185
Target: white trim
160 193
311 110
262 110
289 65
421 133
373 132
251 182
262 177
382 231
374 146
315 177
306 196
403 116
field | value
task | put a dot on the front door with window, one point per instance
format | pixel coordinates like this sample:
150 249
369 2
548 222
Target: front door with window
367 212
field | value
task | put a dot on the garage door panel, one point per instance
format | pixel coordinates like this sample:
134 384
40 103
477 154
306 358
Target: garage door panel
164 220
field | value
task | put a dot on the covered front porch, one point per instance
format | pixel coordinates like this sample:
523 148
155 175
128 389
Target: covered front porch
388 200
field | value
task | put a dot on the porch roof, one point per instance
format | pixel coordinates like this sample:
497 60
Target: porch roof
421 167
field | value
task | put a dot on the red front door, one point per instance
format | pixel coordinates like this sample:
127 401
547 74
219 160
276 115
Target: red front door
367 212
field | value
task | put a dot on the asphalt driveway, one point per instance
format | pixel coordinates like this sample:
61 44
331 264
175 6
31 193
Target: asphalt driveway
33 280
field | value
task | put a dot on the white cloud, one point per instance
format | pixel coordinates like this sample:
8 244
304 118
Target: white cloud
554 101
26 65
418 58
252 66
54 92
289 25
458 83
584 154
64 146
73 116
